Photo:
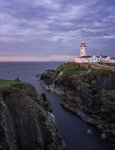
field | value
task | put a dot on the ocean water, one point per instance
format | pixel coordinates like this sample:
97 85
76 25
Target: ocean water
72 128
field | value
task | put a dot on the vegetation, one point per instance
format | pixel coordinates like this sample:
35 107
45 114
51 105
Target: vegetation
71 69
102 71
107 64
9 84
108 96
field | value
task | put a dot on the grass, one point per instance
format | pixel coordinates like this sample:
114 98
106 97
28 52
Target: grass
74 70
102 70
71 69
108 96
9 84
107 64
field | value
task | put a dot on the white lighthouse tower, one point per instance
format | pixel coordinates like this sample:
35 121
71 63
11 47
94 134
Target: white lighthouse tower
82 49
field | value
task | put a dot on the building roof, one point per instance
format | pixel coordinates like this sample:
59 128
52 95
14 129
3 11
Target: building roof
98 56
83 44
104 56
89 56
85 56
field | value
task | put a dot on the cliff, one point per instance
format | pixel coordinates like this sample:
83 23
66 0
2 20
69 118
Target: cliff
26 122
88 92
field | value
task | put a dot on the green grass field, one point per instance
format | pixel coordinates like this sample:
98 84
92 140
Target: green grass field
8 84
72 69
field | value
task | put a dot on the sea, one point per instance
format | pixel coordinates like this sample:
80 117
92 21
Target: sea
72 129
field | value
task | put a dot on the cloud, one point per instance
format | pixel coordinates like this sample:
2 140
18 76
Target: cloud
55 26
36 58
48 4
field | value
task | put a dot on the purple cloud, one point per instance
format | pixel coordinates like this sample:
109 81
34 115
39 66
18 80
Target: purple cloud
56 27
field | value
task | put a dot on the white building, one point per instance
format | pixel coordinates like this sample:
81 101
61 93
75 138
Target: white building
82 49
92 58
113 60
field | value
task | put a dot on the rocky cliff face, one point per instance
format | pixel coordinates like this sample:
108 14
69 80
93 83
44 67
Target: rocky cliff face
26 122
88 92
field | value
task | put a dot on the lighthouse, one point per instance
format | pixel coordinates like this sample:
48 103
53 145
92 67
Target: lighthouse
82 49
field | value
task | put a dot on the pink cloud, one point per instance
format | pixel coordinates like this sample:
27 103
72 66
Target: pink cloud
36 58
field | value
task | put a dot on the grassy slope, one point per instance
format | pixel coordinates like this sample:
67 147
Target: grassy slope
9 84
75 70
72 69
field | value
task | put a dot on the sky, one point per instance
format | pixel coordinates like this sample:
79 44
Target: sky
52 30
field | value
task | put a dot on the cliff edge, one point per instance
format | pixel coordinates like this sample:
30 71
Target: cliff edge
26 122
88 92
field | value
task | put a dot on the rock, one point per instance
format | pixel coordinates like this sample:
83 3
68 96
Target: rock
103 135
89 131
45 103
60 74
24 123
89 94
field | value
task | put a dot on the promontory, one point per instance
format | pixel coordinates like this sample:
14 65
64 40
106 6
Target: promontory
87 90
26 121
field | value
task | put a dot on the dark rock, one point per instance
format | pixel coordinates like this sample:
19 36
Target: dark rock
103 136
24 124
91 95
45 103
89 131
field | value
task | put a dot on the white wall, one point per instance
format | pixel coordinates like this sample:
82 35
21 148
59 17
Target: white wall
113 61
78 60
94 59
81 60
85 60
82 51
108 59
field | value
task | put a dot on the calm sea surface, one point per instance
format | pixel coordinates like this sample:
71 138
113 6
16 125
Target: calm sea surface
71 127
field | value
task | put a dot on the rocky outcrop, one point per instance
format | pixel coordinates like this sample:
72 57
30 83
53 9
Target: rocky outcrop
87 92
26 121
